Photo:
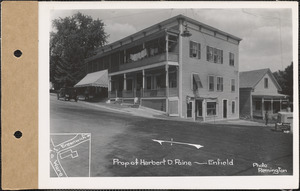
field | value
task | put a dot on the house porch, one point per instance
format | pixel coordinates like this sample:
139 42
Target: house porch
272 104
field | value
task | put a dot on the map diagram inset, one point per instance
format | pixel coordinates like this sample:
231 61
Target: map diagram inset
70 154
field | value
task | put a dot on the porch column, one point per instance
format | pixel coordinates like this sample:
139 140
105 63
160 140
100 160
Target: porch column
167 88
262 108
203 109
177 80
167 47
143 72
134 85
271 110
280 102
125 60
251 106
180 68
124 82
109 83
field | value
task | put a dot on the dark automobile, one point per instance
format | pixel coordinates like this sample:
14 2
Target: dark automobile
67 94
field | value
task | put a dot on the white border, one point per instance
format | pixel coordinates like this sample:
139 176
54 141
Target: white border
220 182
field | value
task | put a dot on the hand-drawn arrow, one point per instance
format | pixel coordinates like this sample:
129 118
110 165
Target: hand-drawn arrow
181 143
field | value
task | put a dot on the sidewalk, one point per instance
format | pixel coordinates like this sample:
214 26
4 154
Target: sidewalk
140 112
150 113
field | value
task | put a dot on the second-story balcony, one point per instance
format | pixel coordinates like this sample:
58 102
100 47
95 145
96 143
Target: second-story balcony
173 57
158 47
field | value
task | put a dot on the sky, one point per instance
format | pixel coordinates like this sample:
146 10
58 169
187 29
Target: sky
266 33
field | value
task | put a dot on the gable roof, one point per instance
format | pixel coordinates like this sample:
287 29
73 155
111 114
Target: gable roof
249 79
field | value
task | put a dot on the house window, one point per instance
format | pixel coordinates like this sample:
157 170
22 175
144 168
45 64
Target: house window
211 83
219 83
233 85
231 59
209 53
195 50
233 107
129 84
211 108
214 55
148 83
189 109
266 83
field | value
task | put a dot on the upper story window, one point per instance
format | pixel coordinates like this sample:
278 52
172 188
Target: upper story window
209 54
231 59
211 83
195 50
266 83
233 85
219 83
214 55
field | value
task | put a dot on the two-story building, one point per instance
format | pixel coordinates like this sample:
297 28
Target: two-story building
179 66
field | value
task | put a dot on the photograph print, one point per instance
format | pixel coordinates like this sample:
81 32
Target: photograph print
171 92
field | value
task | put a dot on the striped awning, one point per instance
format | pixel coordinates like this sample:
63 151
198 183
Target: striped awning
96 79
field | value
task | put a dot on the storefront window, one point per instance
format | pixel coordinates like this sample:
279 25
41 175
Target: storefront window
211 108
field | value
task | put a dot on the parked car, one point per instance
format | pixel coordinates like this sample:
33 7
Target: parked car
284 122
67 94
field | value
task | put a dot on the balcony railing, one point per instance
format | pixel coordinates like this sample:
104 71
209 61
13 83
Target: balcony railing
173 92
172 56
112 94
155 93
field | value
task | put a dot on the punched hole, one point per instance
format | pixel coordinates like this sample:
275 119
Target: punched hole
18 134
18 53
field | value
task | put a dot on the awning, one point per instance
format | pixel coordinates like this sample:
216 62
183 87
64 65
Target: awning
96 79
197 80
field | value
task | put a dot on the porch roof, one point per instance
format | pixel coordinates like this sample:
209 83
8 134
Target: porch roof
267 94
96 79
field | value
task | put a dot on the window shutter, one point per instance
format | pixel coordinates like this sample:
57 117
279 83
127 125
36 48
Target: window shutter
191 49
199 51
221 51
207 53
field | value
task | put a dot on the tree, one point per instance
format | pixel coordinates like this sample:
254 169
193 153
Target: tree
285 80
73 39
